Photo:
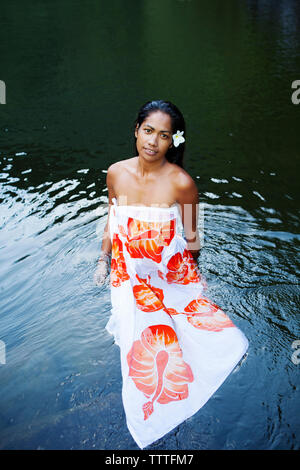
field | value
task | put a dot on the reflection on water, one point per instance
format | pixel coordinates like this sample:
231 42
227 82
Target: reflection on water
63 125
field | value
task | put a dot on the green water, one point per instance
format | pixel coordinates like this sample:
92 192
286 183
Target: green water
76 73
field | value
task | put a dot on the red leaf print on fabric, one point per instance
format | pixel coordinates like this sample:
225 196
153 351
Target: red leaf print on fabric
118 272
157 368
182 269
205 315
148 239
201 305
150 298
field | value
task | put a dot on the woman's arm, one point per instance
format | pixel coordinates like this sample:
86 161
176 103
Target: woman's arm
188 199
102 269
106 242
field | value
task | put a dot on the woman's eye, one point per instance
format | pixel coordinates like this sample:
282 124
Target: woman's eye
147 131
164 136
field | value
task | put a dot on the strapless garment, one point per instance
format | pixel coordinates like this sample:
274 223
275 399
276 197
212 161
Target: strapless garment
176 346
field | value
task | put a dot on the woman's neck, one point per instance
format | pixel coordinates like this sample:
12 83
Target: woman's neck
147 169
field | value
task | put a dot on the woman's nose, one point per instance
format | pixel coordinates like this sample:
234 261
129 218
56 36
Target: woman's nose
153 140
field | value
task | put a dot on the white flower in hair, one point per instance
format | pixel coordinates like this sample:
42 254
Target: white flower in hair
178 138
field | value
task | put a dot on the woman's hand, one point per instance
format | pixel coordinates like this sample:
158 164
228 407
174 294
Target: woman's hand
101 273
102 269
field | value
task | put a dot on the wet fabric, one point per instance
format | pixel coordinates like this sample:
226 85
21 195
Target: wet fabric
176 345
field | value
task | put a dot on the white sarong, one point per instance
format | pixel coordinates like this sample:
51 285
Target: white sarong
177 347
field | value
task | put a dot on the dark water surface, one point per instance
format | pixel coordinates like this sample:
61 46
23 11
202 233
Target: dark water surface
76 73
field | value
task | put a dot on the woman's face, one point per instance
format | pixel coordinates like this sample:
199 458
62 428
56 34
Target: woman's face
154 136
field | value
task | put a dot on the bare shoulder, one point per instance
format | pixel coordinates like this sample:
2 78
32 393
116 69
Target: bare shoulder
116 173
127 164
185 187
182 179
111 177
114 168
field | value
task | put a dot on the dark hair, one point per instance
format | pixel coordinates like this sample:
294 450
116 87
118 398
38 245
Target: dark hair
174 154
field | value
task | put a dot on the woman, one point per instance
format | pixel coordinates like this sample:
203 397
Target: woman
177 346
155 177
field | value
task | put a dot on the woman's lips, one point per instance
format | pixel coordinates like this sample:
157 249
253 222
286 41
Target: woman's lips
150 152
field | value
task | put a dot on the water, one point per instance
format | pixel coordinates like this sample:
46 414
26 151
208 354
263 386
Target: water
75 75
